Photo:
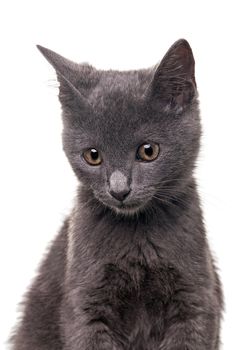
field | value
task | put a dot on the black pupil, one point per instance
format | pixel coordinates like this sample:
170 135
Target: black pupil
148 150
94 154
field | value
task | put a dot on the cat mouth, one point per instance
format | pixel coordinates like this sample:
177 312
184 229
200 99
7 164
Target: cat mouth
125 208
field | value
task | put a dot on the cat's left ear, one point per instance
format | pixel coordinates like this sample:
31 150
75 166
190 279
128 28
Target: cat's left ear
173 83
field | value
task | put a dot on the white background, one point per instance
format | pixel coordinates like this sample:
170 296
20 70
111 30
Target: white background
37 184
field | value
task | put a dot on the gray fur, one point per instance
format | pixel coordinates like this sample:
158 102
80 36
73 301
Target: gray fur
134 274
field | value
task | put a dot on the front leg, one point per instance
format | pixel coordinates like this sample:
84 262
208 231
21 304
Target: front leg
96 336
100 316
184 314
193 324
187 335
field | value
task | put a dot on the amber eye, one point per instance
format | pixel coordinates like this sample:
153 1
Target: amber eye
92 156
147 152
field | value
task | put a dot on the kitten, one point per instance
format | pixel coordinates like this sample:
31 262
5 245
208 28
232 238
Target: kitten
131 267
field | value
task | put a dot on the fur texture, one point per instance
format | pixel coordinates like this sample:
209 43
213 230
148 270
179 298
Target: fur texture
133 273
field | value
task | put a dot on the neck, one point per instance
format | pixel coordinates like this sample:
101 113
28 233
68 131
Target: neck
99 234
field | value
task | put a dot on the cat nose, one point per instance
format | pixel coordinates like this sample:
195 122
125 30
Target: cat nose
118 185
120 196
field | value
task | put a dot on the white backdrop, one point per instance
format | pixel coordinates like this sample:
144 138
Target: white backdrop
37 184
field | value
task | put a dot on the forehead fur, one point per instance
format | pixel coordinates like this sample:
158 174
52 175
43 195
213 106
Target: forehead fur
113 84
117 105
119 95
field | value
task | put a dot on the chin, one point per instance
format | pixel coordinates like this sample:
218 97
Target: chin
127 209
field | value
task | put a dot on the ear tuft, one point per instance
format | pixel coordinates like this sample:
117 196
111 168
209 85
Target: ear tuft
174 79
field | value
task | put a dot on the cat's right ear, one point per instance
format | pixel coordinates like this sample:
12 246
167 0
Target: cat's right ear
67 75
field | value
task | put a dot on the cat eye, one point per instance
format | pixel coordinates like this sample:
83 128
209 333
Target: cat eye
147 152
92 156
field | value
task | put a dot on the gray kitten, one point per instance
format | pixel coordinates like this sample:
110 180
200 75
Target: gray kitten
131 267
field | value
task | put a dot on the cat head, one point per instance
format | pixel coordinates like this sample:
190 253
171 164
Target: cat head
131 137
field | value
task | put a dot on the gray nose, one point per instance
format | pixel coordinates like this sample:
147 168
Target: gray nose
120 196
118 185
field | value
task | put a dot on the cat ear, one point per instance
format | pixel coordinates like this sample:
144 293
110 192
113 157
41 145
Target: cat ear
174 82
67 74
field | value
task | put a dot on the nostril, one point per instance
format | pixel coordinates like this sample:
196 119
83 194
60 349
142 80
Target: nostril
121 195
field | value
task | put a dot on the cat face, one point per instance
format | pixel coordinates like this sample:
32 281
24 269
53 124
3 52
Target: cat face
131 137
